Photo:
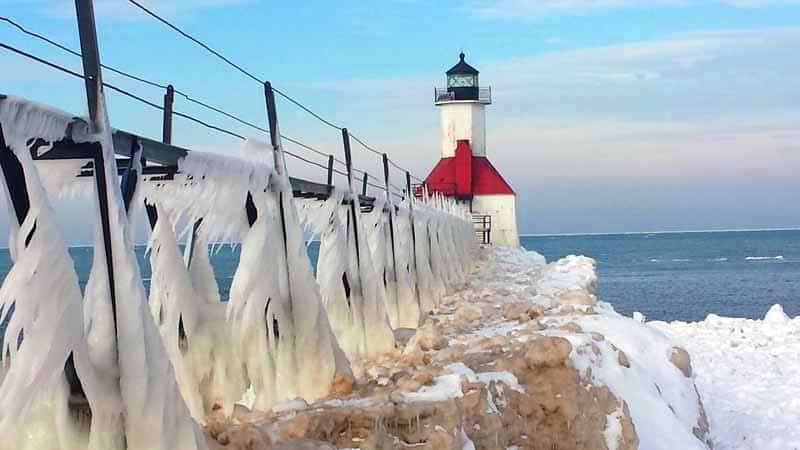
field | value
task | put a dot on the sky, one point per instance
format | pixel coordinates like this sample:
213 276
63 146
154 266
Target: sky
607 115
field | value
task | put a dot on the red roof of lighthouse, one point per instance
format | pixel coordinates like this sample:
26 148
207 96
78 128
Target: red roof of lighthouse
465 174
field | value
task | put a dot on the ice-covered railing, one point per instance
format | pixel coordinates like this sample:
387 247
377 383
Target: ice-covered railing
105 380
138 370
276 321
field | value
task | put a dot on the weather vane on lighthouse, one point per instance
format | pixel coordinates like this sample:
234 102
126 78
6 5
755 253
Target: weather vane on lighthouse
464 171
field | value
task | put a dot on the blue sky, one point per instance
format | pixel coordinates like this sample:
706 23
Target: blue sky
608 115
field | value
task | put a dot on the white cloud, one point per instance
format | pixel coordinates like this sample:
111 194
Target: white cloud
536 8
693 104
121 9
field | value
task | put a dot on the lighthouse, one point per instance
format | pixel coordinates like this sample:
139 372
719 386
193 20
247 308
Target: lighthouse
464 171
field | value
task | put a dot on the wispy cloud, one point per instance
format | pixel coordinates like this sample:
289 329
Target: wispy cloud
537 8
120 9
692 104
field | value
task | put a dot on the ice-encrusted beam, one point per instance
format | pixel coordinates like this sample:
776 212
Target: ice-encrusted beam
167 156
20 202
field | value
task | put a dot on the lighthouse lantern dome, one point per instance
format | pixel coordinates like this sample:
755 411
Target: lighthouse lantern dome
462 75
463 85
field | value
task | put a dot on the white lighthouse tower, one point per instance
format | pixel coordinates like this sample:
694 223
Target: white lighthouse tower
464 170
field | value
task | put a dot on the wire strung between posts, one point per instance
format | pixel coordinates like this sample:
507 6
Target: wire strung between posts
73 52
164 86
248 74
184 95
180 114
161 108
219 55
306 109
183 115
196 41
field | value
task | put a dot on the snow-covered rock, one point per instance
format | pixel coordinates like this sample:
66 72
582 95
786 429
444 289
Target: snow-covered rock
746 372
519 370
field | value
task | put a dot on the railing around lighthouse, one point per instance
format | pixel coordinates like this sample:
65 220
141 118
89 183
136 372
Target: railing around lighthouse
482 95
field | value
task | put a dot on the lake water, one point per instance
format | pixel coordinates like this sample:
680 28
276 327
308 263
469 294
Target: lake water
669 276
686 276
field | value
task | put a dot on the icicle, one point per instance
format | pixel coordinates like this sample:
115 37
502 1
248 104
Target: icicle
430 282
350 289
375 226
402 308
200 269
42 301
193 329
213 188
408 298
281 329
148 403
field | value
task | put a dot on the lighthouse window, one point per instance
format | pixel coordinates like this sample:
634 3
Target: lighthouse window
462 81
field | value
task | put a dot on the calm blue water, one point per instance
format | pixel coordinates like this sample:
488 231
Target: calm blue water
686 276
676 276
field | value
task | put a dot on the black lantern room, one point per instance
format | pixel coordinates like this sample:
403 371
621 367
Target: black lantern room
462 84
462 80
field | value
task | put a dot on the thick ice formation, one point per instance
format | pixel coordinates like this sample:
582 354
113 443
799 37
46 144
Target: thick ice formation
212 187
280 327
152 412
408 296
430 287
192 325
352 291
283 342
128 380
401 304
200 270
34 394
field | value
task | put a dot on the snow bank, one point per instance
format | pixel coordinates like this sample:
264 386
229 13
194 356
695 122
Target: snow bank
747 375
662 400
510 362
632 359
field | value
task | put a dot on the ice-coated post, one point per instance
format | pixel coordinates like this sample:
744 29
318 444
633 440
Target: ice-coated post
387 188
277 151
11 170
408 185
280 169
274 134
348 161
90 56
131 176
166 129
410 198
15 183
330 172
192 242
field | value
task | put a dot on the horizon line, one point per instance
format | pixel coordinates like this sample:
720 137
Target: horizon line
617 233
620 233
